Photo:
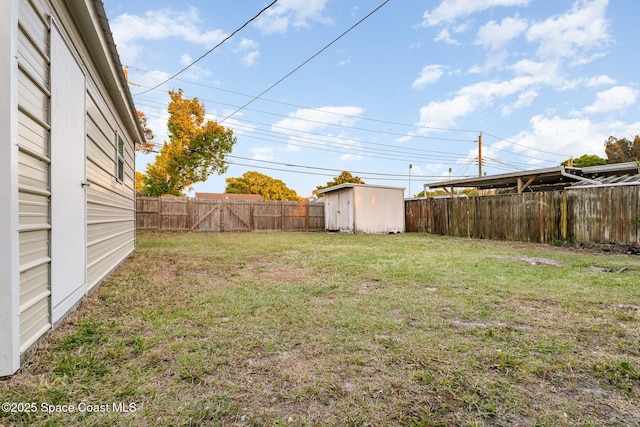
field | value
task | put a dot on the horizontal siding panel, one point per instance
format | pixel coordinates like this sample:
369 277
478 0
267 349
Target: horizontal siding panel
34 61
32 172
33 209
98 197
32 136
107 195
34 285
97 233
98 213
32 23
34 322
105 256
34 248
32 99
100 154
97 119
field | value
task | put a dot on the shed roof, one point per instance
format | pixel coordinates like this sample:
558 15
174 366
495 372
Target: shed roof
352 185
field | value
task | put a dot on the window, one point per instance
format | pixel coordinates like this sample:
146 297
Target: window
119 159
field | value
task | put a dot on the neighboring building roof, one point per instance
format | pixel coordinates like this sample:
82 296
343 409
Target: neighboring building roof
352 185
229 196
555 177
616 174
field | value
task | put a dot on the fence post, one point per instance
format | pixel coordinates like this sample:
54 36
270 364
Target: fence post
221 216
159 200
189 213
251 224
563 216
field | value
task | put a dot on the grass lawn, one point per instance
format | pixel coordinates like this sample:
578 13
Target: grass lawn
310 329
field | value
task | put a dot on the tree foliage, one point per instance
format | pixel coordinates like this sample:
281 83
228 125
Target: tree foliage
469 192
253 182
622 150
145 146
195 150
139 182
343 178
584 161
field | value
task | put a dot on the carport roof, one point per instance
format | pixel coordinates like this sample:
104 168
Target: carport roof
558 176
546 176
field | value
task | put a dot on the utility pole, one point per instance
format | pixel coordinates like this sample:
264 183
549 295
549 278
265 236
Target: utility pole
410 167
480 154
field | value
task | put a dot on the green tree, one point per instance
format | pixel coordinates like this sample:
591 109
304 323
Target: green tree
622 150
195 150
253 182
585 160
343 178
469 192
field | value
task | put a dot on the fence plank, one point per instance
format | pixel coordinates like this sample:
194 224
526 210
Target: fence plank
587 215
179 214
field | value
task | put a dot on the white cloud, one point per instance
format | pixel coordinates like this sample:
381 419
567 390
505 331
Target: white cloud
304 121
429 75
263 153
495 36
469 98
250 58
185 59
294 13
247 44
350 157
524 100
616 98
567 137
574 34
444 36
308 119
159 25
250 51
450 10
602 80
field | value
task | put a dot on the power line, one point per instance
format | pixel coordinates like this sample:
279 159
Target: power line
404 176
386 122
392 153
528 148
332 124
314 173
305 62
209 51
287 133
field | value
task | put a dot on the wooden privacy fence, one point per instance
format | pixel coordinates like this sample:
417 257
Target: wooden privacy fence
186 214
587 215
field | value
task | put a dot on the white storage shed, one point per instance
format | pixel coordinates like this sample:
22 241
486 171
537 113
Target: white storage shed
68 127
360 208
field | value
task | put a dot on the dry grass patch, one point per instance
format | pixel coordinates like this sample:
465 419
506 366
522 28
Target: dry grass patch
319 329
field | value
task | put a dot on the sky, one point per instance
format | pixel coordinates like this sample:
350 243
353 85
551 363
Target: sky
399 97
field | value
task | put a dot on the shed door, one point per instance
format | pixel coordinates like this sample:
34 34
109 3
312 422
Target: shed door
345 209
68 206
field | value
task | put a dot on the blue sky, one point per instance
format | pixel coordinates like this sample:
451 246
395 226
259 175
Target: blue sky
415 83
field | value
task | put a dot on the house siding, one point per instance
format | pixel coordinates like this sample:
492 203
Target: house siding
33 171
110 204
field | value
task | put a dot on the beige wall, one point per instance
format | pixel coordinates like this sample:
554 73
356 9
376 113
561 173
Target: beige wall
110 219
379 210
